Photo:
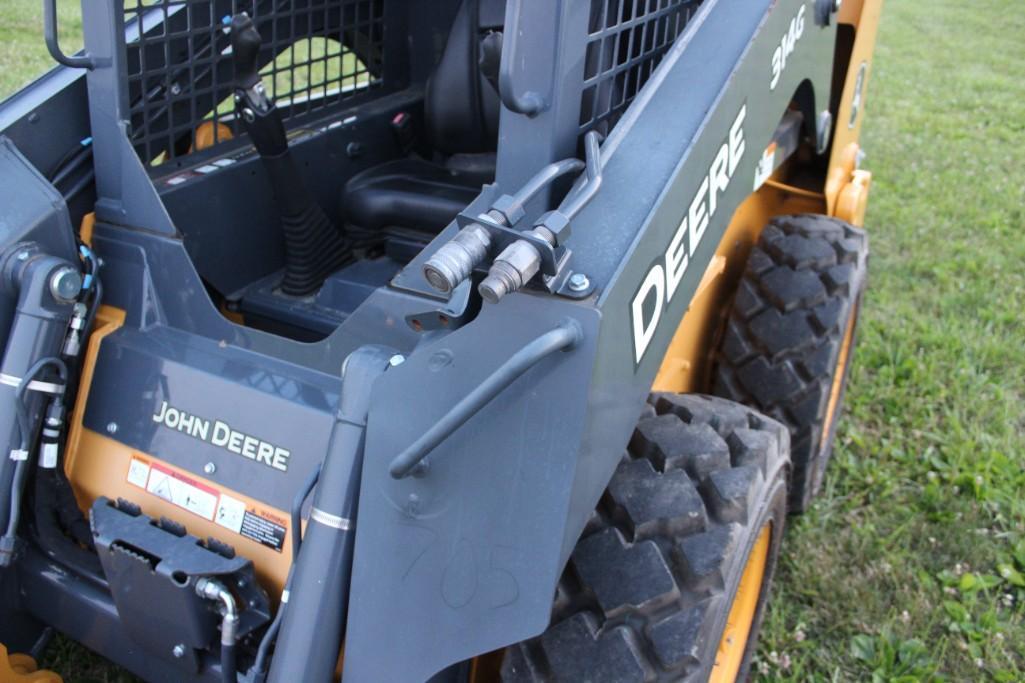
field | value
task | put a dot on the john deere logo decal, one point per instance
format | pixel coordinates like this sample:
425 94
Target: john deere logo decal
220 434
660 284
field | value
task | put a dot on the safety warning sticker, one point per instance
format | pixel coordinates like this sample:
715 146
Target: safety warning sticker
183 491
253 524
209 503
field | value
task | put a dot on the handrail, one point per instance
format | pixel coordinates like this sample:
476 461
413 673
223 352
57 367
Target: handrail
563 337
50 37
530 103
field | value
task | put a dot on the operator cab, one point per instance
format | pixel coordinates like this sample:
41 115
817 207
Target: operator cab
388 159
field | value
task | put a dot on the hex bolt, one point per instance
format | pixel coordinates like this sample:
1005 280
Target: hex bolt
112 427
397 359
209 468
176 89
578 282
23 255
178 651
65 284
248 115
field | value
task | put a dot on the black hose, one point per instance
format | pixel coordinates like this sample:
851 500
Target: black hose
49 536
297 509
229 671
272 631
21 469
260 664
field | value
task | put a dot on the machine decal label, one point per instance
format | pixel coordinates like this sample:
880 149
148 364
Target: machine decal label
255 525
206 501
263 530
660 284
176 488
220 434
787 46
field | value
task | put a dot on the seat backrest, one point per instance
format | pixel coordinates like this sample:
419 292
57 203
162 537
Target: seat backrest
461 105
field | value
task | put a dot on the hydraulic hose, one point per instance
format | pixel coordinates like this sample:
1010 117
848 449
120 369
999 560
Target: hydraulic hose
258 671
212 589
21 468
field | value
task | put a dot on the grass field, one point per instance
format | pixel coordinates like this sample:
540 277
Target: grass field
911 567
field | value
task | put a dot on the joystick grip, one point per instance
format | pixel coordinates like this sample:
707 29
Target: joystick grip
245 48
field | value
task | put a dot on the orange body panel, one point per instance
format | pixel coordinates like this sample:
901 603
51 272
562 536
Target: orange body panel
686 366
97 466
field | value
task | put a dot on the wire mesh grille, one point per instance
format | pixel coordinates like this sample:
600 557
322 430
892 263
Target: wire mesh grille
626 41
318 54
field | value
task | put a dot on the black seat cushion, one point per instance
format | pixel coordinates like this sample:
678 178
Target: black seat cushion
461 105
461 110
408 193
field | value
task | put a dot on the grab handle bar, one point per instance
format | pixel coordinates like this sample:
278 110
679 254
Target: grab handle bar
563 337
529 103
50 37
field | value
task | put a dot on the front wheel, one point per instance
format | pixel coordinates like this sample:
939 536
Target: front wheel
671 576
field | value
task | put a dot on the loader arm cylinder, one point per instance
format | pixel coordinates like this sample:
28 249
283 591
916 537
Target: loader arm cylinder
311 629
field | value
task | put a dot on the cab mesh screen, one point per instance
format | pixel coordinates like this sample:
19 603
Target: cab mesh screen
317 54
626 41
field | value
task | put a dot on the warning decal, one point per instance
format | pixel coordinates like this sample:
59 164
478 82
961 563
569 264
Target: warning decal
182 491
263 530
255 525
209 503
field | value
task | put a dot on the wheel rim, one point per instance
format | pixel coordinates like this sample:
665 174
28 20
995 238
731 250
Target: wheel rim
733 645
839 377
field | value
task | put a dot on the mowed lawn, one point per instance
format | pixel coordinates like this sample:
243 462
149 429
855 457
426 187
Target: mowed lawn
911 566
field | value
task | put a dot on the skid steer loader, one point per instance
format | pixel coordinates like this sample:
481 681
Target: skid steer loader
396 340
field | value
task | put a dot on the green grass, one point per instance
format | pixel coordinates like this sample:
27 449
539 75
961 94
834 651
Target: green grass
910 566
910 563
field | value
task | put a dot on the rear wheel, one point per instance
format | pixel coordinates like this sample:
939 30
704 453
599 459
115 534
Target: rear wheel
790 335
671 576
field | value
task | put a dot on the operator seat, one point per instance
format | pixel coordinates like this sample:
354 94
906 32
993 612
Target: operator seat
461 111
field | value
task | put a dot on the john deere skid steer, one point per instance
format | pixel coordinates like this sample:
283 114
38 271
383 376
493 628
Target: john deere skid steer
409 340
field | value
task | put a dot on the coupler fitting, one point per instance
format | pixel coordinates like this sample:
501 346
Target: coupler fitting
453 262
514 267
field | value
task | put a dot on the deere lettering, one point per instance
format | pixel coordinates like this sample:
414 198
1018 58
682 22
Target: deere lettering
220 434
660 284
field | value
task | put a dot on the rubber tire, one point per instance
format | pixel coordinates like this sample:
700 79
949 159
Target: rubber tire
782 343
649 586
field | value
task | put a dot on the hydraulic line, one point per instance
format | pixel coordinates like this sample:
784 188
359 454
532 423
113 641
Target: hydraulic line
212 589
258 670
26 434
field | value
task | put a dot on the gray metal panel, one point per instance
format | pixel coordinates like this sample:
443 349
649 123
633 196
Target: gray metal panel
463 559
125 195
